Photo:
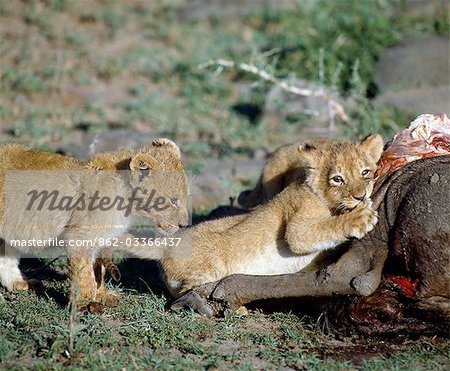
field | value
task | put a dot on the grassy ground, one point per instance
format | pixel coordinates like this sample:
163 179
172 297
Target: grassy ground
36 332
72 68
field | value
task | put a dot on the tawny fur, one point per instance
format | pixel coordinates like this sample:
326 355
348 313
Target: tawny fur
287 233
86 269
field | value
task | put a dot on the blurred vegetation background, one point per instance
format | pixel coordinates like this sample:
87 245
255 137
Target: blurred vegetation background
74 70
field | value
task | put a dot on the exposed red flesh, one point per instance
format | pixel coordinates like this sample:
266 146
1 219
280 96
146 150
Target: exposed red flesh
427 136
405 284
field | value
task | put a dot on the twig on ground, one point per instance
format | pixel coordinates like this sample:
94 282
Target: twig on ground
334 107
72 319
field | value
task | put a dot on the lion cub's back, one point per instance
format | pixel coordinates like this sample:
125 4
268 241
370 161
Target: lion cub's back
18 157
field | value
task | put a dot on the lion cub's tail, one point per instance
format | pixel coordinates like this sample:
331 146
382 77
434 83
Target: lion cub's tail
111 268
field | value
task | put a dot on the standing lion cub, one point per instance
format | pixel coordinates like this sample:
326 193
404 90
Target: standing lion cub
286 234
46 197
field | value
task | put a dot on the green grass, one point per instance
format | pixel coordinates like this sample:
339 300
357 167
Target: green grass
142 332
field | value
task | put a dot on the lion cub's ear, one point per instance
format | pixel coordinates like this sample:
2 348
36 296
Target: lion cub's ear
143 161
170 145
373 145
308 154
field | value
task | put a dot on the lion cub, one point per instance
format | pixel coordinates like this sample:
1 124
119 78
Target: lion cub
155 170
287 233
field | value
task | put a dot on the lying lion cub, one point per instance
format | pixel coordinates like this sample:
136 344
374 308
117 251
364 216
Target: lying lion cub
287 233
80 180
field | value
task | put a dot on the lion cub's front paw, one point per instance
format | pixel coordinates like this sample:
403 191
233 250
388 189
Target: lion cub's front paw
362 221
91 307
108 298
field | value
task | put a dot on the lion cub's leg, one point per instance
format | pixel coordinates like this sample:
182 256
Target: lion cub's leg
103 295
84 285
105 264
10 275
305 235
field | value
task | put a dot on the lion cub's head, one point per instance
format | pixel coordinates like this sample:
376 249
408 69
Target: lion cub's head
342 173
157 178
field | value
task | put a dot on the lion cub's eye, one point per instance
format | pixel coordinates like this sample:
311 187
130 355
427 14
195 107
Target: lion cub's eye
337 179
365 172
